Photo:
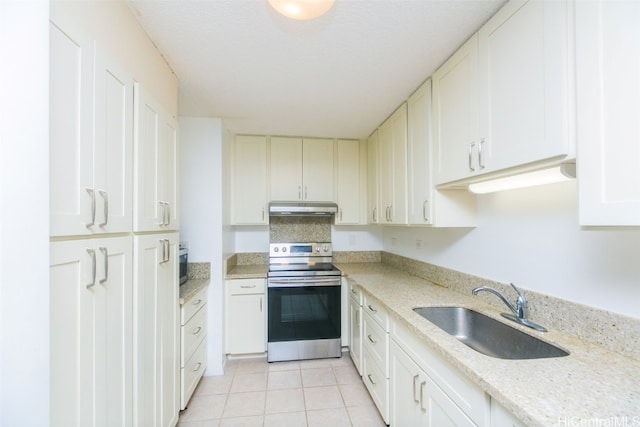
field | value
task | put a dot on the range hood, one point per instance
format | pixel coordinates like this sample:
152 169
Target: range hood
302 208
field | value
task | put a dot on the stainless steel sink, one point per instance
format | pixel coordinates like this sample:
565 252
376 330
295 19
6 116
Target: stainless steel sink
487 335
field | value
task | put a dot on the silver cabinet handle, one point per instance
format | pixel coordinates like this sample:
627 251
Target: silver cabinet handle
424 210
305 192
299 192
168 250
260 304
372 309
471 168
480 156
168 213
197 368
105 207
262 214
340 214
197 330
375 219
93 208
105 255
165 250
93 268
247 286
372 340
197 302
422 384
371 379
415 380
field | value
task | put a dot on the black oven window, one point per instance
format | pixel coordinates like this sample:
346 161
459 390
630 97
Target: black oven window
304 313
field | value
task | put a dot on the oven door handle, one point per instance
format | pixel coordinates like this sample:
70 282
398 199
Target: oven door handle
296 283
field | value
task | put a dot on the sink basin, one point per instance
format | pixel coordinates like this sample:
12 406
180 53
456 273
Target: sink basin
487 335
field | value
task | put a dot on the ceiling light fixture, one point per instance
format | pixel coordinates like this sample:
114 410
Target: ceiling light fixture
562 172
302 9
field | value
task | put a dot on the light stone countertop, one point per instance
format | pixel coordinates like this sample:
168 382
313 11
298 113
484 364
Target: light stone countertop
251 271
591 385
191 287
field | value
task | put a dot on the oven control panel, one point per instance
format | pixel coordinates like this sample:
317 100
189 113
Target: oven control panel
300 249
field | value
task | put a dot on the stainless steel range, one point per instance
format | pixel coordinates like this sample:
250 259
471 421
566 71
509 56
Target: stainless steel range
303 297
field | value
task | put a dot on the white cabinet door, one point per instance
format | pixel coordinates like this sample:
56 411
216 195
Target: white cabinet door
348 181
156 330
392 136
525 85
91 141
245 326
419 156
355 332
302 169
250 190
155 168
608 112
407 390
455 114
317 169
373 181
286 169
91 340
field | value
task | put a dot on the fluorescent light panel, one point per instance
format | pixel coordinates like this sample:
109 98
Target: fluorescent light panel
563 172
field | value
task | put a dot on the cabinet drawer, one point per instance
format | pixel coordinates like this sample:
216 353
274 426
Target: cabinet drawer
376 341
377 312
246 286
192 305
191 373
377 384
193 333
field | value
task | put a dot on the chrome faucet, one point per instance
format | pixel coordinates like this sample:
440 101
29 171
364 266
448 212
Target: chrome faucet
519 310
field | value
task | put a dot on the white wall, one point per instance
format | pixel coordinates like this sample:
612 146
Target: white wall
531 237
203 145
344 238
24 213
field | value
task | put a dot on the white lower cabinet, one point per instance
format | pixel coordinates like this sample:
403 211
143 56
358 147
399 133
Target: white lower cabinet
355 326
427 391
245 311
375 355
156 333
500 417
91 348
193 340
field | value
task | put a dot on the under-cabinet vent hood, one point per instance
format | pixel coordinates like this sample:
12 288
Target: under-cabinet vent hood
302 208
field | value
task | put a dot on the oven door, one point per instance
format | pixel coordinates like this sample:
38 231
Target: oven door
303 315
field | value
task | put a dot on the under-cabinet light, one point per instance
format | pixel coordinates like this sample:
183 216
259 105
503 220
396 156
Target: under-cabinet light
562 172
302 9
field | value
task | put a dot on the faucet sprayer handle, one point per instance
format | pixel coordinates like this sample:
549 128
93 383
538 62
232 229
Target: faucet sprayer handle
516 289
521 303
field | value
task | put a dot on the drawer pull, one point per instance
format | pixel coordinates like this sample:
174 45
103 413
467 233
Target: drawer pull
197 302
247 286
197 330
372 309
422 384
197 368
370 379
415 380
371 339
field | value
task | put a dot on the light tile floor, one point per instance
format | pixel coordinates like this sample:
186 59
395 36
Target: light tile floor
312 393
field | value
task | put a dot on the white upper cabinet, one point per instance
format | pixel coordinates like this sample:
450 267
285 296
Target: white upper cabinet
525 85
455 114
348 181
373 184
608 112
156 156
250 180
426 204
91 139
504 99
302 169
392 139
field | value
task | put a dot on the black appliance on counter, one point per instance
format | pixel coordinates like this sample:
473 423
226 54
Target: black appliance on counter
304 302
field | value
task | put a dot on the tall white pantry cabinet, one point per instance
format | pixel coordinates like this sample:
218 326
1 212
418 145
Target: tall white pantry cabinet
114 293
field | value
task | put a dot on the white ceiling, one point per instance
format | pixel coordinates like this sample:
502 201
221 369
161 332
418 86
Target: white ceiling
339 75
